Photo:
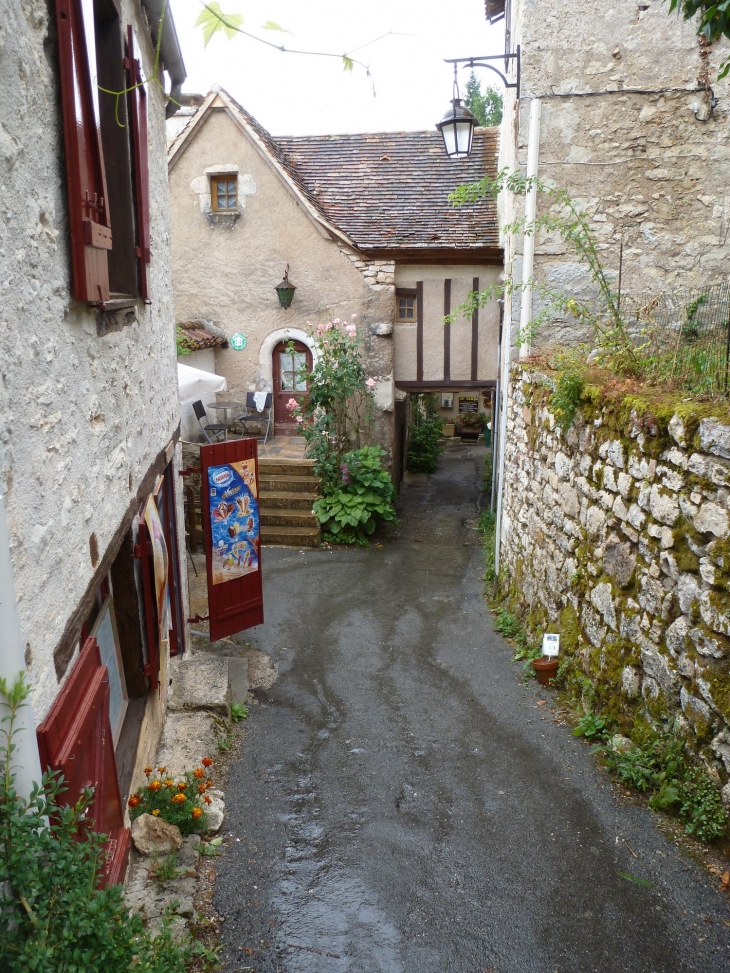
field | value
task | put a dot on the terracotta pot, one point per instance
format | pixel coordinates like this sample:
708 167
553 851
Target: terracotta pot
545 669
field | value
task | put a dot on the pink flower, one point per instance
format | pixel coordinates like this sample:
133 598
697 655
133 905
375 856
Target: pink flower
351 329
336 321
292 404
320 329
371 383
300 418
353 316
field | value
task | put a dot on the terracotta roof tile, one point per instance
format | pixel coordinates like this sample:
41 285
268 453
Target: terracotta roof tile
390 190
197 337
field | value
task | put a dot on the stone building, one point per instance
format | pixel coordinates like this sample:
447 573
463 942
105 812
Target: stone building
363 224
88 392
633 123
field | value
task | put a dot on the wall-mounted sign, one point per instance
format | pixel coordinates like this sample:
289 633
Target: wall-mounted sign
550 645
468 403
238 341
234 520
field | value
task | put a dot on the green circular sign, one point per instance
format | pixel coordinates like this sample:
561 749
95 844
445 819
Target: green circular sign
237 341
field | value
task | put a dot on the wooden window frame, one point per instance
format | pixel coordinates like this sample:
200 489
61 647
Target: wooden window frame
406 292
214 180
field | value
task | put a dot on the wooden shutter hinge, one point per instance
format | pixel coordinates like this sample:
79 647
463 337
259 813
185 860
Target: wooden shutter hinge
189 470
198 618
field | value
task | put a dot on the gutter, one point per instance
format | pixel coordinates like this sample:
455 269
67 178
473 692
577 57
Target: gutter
172 60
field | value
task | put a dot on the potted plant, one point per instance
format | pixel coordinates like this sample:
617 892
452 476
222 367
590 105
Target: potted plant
449 427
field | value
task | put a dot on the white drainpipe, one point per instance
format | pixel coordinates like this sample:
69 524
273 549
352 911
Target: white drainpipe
533 153
25 760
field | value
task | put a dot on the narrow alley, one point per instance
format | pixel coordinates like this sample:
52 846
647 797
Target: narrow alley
403 802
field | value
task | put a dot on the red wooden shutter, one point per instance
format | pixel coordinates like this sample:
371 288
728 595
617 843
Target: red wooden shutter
87 196
147 565
76 739
138 97
237 604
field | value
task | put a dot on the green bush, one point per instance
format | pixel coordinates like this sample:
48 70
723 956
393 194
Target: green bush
53 918
424 434
363 497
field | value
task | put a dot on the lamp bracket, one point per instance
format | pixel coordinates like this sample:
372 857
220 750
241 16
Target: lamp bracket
481 62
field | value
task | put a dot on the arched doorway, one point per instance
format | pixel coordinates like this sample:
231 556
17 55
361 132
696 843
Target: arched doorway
292 363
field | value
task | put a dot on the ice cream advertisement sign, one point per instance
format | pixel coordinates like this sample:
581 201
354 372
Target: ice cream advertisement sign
234 520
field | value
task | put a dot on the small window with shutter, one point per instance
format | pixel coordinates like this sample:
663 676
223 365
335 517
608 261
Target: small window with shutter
105 137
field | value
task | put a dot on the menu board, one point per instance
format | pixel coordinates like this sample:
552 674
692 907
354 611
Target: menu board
468 403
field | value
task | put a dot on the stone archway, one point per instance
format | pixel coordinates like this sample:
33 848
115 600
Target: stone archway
271 341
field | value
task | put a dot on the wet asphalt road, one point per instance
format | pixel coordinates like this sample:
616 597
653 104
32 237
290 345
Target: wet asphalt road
403 804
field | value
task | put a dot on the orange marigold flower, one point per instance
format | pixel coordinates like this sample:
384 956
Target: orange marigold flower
134 801
201 788
198 772
207 761
148 770
161 770
209 783
156 812
182 785
197 812
169 783
208 800
177 799
155 785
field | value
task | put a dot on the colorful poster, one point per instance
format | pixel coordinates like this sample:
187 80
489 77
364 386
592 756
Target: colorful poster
234 520
159 556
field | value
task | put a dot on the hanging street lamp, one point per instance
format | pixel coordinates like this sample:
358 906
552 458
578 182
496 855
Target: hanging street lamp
458 124
285 290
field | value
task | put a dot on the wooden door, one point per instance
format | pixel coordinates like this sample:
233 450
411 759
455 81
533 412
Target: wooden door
291 367
229 500
76 739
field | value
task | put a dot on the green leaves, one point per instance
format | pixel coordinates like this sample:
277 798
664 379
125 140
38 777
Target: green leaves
212 20
352 510
347 63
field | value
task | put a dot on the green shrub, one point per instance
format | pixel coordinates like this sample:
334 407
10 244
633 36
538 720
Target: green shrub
53 918
363 497
424 434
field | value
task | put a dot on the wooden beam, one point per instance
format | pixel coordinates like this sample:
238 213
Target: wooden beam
475 334
447 330
419 331
439 386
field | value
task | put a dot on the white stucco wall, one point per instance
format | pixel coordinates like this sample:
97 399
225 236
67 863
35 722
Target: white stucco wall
82 417
433 277
225 269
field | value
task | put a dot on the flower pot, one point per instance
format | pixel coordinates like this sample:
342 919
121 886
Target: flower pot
545 669
449 429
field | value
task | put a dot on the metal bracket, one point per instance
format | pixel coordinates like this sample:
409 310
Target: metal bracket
189 470
198 618
481 62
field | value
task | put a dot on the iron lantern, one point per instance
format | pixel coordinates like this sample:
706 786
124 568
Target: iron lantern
457 127
285 290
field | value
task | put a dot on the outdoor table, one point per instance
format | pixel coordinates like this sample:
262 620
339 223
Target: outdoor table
225 406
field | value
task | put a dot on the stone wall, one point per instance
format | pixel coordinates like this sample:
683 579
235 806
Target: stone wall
88 399
616 535
627 129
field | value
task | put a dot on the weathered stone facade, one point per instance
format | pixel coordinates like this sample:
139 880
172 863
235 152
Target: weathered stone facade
617 535
628 129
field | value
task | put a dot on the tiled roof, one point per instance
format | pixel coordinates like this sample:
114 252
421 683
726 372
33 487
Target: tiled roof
197 337
390 191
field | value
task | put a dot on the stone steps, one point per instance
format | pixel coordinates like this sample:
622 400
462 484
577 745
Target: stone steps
288 488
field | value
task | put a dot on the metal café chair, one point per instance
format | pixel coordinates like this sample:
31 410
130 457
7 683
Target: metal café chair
216 428
253 415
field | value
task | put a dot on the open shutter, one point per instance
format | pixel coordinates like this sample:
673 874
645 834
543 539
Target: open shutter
76 739
145 554
88 210
238 603
138 98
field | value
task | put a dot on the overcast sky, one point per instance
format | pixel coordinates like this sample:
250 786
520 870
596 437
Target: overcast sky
292 94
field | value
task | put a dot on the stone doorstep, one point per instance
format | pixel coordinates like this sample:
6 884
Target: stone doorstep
280 517
199 684
290 501
288 484
290 536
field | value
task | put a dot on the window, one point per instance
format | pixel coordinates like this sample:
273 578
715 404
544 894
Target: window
224 194
106 152
406 305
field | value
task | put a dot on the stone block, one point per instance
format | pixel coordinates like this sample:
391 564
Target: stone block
624 483
706 645
636 517
664 507
677 636
620 509
656 666
715 437
186 739
619 561
694 708
615 453
595 520
711 519
563 466
677 430
569 499
651 595
714 611
689 591
200 684
630 682
591 620
602 601
153 836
